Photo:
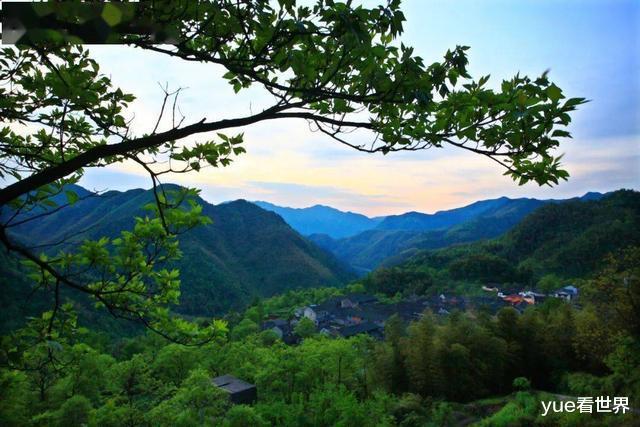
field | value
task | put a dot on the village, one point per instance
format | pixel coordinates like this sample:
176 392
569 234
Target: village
358 313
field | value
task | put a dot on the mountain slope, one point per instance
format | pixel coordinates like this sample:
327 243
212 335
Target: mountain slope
245 252
377 247
567 239
397 238
417 221
321 219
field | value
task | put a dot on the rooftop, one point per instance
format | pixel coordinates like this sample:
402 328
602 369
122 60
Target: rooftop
232 384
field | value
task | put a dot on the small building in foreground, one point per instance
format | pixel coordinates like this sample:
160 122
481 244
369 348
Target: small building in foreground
240 392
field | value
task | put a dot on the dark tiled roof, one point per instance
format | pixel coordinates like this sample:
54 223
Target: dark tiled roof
330 304
232 384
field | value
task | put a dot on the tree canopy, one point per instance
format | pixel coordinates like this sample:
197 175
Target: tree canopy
340 67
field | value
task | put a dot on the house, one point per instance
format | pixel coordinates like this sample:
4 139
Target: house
240 392
326 331
568 293
507 291
357 300
280 327
513 299
283 329
456 303
443 311
533 297
315 313
310 313
410 310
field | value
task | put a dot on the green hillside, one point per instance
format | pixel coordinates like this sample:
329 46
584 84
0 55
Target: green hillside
245 252
568 240
384 247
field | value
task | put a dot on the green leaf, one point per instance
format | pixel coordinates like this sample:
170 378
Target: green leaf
72 196
554 93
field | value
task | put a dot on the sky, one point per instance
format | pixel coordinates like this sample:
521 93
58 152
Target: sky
592 49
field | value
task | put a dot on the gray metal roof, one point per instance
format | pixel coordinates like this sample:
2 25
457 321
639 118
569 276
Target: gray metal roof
232 384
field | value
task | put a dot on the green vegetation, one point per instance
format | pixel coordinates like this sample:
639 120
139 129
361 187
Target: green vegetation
398 237
331 63
465 368
556 243
242 252
436 371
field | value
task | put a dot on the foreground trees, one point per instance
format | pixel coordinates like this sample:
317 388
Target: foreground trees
424 374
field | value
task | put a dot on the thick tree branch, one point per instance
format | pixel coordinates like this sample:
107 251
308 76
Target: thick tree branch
95 154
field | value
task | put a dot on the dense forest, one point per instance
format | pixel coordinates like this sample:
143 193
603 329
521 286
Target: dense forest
432 372
467 367
396 238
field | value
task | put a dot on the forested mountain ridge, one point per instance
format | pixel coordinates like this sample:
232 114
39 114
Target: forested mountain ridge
569 240
245 252
320 219
418 221
399 237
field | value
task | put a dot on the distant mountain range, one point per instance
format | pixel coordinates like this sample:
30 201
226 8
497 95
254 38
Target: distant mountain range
568 239
388 240
321 219
245 252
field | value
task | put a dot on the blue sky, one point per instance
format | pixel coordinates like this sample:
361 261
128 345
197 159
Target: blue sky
591 47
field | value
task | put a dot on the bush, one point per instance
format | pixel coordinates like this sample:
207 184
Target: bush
522 384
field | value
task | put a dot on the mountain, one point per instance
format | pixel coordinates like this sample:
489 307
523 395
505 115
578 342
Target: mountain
398 237
417 221
569 240
321 219
245 252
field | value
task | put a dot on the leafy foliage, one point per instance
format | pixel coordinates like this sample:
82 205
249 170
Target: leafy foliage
329 63
421 374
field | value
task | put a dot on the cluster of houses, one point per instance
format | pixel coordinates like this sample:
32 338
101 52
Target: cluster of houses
356 313
522 299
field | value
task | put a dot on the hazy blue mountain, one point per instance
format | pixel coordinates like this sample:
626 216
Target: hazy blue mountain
321 219
417 221
399 237
246 251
